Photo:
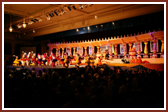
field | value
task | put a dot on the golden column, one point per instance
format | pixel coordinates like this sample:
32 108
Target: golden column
116 53
69 50
81 51
98 49
74 51
110 52
62 51
162 48
146 49
57 52
85 51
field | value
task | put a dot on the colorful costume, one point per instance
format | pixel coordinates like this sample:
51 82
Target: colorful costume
16 61
53 60
28 59
39 59
44 59
23 59
33 59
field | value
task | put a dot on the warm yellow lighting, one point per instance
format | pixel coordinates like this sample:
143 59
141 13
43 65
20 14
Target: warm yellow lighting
113 23
101 25
95 17
88 28
77 30
24 25
33 31
48 18
10 29
96 26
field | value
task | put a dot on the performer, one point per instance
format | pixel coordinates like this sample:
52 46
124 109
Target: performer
107 55
16 61
99 61
50 59
53 60
33 59
23 59
28 59
44 60
91 60
125 59
77 60
47 59
87 60
39 60
58 60
66 60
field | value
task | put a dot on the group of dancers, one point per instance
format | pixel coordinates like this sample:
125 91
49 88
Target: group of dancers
30 59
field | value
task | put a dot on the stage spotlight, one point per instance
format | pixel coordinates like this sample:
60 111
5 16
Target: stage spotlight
85 5
69 8
113 23
24 24
81 6
10 29
77 30
55 12
74 7
95 17
48 18
88 28
33 31
19 26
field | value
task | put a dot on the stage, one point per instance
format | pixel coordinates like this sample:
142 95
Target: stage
157 64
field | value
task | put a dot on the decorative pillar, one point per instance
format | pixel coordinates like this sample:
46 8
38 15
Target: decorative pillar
115 56
92 49
162 48
146 49
70 51
85 51
110 52
154 49
81 51
57 52
138 49
62 51
98 49
125 49
74 51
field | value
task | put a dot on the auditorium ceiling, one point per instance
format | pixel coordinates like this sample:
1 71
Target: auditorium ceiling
42 19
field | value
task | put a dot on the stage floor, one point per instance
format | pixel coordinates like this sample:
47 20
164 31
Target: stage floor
148 66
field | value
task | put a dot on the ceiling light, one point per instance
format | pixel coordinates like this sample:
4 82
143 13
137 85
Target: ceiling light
81 6
88 28
24 24
95 17
113 23
30 22
40 20
101 25
96 26
85 5
24 33
33 31
10 29
19 26
77 30
48 18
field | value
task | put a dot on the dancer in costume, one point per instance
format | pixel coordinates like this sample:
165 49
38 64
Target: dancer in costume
53 60
28 59
66 60
91 60
47 59
44 60
33 59
16 61
39 59
50 60
77 59
87 60
23 59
